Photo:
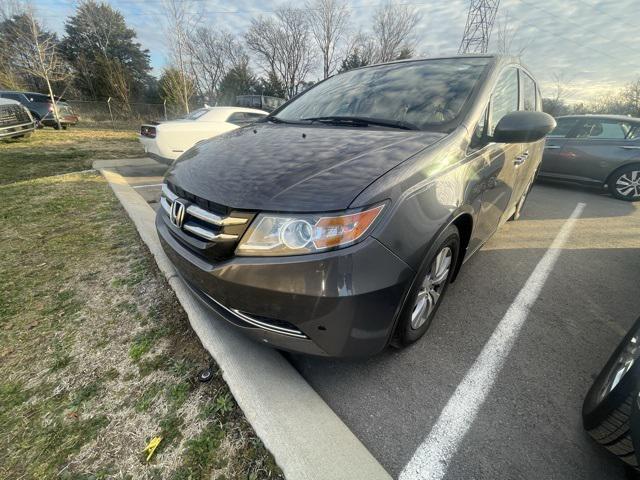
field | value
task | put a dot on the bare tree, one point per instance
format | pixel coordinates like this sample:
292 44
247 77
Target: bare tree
180 21
172 87
506 37
393 26
211 54
631 98
328 21
117 77
39 57
556 104
283 44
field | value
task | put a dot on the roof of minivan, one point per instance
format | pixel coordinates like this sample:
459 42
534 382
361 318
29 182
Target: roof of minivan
495 57
603 116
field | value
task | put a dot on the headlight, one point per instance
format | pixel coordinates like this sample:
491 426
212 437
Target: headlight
296 234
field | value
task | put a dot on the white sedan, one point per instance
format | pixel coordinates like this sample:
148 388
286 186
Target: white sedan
168 140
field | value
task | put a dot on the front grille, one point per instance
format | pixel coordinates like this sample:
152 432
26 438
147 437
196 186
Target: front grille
13 115
209 233
201 202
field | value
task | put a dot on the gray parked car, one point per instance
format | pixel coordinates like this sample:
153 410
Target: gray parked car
334 225
41 108
599 150
15 120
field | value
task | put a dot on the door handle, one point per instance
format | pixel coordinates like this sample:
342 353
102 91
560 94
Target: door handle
630 147
552 147
520 159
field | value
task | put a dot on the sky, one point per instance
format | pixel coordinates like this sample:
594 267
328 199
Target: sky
591 46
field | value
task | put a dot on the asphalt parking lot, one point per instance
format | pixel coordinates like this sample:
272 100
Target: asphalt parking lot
528 426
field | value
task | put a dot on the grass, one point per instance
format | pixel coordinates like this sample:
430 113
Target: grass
96 354
48 152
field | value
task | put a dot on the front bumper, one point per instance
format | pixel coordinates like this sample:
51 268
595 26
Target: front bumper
344 303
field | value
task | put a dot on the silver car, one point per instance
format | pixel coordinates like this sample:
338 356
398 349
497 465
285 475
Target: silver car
598 150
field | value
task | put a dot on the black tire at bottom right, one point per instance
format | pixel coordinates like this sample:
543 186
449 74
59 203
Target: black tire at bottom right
611 409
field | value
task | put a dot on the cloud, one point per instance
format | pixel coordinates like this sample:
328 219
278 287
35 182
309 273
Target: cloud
592 43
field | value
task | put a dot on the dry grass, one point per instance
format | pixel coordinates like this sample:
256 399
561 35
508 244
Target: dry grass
49 152
96 354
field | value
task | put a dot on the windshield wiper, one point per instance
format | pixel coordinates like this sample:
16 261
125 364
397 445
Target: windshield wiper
362 122
274 119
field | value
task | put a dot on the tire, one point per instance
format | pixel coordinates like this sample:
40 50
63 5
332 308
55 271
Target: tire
56 126
624 183
410 329
64 127
608 406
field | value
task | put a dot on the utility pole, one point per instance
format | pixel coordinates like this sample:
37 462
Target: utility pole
477 31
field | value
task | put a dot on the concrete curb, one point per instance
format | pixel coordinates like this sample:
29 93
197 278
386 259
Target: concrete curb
305 436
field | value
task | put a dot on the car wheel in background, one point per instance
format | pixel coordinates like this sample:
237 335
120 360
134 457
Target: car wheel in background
625 183
429 288
37 119
607 409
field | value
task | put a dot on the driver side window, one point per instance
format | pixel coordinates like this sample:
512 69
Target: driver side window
504 98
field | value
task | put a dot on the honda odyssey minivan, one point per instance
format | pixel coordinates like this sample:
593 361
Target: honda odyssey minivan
334 225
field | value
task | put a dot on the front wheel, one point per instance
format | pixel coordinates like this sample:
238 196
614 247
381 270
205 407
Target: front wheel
429 288
625 183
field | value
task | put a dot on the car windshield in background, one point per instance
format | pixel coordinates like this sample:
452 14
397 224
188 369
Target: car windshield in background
426 94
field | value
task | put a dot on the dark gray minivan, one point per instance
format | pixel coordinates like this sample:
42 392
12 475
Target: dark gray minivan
334 226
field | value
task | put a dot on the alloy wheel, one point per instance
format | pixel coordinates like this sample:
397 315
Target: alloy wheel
628 184
431 288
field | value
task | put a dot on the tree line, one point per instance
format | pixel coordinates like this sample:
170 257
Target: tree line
99 56
280 54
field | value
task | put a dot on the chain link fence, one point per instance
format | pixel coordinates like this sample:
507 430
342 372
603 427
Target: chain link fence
117 115
111 114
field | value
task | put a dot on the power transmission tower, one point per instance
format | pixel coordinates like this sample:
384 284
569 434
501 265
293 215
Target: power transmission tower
477 31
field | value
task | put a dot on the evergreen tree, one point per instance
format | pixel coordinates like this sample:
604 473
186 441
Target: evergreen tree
272 86
239 80
353 60
97 37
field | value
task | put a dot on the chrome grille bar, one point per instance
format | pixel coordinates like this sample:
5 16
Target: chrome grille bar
166 201
214 219
208 234
257 323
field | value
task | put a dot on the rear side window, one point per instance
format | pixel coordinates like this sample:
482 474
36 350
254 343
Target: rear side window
39 98
563 127
254 117
528 92
237 118
504 98
605 129
243 118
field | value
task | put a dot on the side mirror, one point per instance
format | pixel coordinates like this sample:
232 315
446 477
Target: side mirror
523 127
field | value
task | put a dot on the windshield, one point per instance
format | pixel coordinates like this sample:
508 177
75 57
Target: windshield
426 93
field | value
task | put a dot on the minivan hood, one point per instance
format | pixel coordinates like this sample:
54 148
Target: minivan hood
302 168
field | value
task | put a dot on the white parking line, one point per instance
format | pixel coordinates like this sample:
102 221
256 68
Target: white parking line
430 460
148 186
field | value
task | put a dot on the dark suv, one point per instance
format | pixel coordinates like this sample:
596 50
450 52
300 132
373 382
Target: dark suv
41 108
335 225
